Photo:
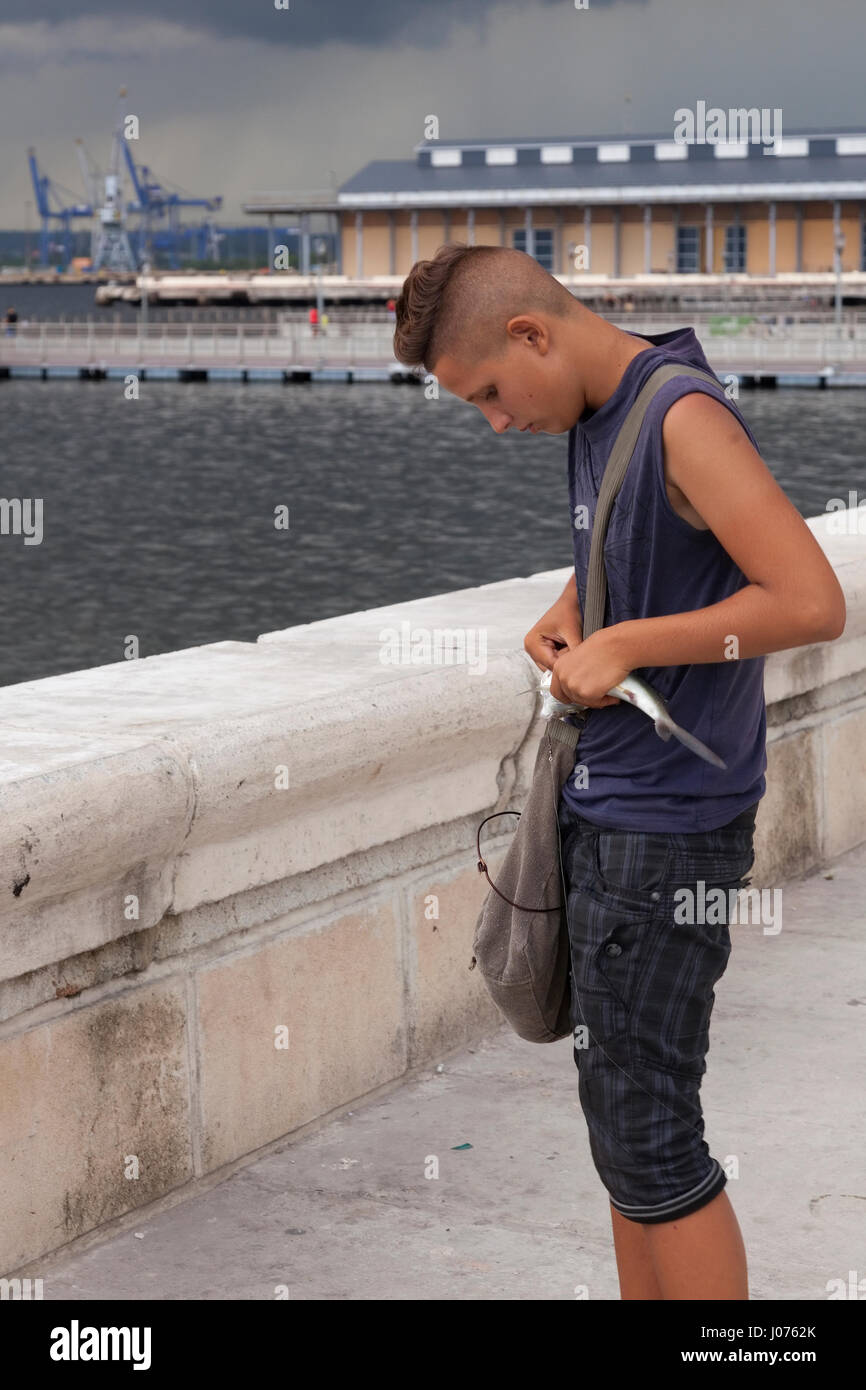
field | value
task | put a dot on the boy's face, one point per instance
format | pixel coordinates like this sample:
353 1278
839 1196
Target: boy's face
531 387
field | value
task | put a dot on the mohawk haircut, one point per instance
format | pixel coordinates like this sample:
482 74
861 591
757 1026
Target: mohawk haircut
460 301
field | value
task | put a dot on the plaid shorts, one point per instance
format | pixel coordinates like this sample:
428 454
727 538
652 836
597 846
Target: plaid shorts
642 985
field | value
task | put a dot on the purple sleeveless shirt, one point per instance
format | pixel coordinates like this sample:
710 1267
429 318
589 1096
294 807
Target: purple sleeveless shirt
657 563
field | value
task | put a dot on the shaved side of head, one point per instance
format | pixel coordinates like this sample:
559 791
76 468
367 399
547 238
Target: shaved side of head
460 302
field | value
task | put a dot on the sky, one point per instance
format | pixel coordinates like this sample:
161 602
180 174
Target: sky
235 97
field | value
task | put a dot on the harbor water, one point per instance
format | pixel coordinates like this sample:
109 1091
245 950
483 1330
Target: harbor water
159 513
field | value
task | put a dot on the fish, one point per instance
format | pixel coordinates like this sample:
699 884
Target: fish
636 692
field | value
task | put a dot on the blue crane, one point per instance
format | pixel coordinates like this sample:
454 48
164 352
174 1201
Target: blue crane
155 202
48 192
156 207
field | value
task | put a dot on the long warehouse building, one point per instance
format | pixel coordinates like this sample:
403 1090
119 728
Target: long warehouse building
618 206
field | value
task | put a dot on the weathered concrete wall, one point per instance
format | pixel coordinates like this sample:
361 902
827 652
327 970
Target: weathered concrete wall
239 882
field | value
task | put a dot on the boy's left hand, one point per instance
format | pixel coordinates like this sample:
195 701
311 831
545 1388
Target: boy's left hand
584 674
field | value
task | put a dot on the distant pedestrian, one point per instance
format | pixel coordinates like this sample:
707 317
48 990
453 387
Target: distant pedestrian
391 306
11 320
314 320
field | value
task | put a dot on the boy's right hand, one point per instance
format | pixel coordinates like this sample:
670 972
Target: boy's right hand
559 629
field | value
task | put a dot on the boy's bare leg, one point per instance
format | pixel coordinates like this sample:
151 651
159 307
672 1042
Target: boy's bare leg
700 1255
634 1262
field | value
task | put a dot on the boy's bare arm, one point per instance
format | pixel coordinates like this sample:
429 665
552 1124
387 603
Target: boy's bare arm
569 594
560 628
793 596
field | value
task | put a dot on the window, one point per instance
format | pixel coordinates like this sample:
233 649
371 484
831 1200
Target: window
543 238
735 248
688 249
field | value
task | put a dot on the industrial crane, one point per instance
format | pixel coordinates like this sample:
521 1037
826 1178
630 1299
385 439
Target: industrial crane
154 202
111 246
154 205
46 193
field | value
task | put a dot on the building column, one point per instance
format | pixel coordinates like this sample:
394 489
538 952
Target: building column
676 222
359 245
271 247
470 226
772 238
837 228
648 238
530 232
558 255
392 242
861 250
501 227
446 224
587 235
338 241
837 260
710 249
617 243
799 251
413 231
305 243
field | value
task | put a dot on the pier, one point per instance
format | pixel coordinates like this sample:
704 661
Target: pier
762 354
214 848
495 1234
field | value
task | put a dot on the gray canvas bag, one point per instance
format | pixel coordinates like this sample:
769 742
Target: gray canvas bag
521 943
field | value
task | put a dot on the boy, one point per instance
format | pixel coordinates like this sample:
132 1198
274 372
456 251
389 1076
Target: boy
709 567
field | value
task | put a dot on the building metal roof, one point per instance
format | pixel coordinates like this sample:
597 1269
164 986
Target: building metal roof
803 164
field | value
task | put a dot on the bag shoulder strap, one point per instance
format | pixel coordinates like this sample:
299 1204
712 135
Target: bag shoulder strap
614 473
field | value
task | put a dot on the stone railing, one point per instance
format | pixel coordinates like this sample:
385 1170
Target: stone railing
239 881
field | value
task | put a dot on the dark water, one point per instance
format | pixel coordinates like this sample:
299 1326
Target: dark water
158 514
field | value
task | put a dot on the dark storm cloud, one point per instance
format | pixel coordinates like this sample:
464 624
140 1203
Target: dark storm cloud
307 23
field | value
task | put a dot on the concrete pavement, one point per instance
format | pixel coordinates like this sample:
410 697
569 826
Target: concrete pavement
347 1211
